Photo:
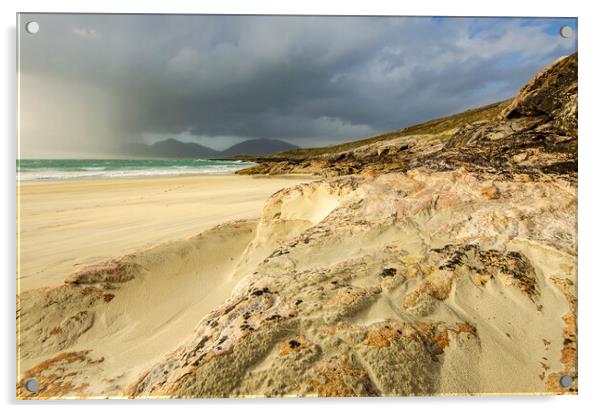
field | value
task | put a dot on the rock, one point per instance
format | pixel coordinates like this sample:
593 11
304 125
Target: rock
535 133
552 93
443 258
114 271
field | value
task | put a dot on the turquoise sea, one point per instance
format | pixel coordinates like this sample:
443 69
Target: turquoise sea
59 169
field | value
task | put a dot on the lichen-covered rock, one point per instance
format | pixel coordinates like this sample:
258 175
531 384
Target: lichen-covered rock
339 299
551 93
53 319
535 133
54 383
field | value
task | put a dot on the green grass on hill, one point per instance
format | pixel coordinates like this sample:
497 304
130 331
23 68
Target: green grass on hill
431 127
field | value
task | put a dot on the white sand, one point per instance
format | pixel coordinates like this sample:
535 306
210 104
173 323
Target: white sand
63 226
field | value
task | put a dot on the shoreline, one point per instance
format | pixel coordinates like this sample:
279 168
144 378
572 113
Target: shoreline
291 176
67 169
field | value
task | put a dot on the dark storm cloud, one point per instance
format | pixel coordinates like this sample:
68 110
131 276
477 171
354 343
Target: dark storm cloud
91 82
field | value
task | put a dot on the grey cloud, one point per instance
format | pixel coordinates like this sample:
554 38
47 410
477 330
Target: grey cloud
92 82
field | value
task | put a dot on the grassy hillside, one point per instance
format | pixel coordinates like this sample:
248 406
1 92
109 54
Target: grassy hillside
434 126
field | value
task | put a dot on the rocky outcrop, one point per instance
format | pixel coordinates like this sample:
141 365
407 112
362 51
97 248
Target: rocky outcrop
443 264
410 282
53 319
536 133
552 93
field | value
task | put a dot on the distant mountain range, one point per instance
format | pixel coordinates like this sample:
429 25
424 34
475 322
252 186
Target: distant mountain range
173 148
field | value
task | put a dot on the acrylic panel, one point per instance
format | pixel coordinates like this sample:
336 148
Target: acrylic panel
310 206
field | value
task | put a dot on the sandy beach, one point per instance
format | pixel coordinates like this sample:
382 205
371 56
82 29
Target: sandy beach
66 225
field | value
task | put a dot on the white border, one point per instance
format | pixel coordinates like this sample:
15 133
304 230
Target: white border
590 231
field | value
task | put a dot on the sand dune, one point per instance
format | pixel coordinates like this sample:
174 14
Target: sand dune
168 287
